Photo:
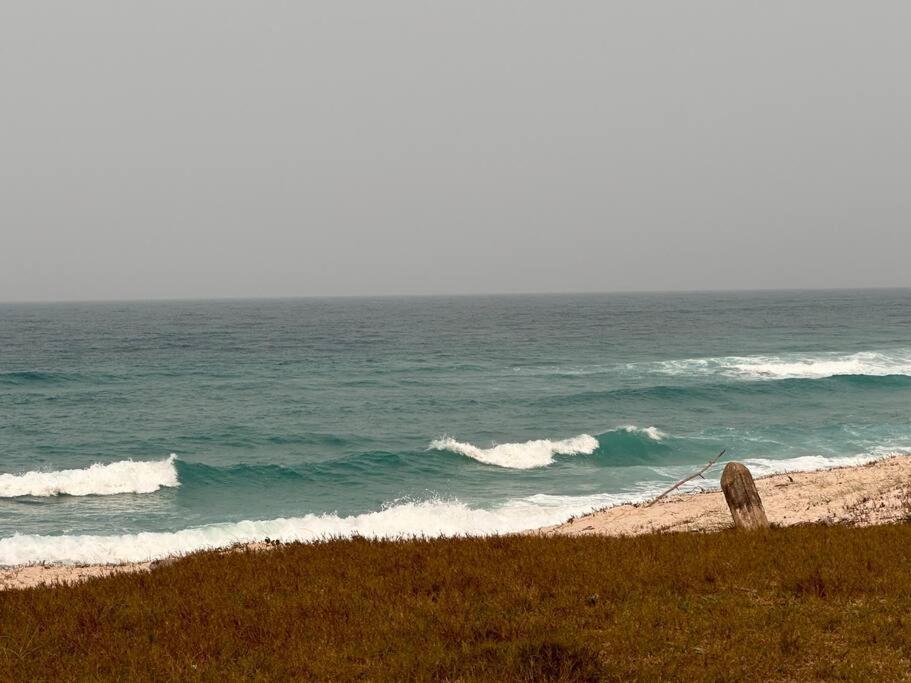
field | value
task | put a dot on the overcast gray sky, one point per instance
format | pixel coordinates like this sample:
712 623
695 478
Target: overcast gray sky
200 149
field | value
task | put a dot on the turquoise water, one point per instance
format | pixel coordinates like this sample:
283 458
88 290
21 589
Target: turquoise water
306 418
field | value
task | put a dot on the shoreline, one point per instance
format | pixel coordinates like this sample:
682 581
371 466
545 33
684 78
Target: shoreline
878 492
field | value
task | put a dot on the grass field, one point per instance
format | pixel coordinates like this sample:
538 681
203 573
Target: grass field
797 603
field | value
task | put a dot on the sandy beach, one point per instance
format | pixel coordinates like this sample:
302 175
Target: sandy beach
876 493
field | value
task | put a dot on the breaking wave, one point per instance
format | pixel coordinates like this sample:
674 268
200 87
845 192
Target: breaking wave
404 520
520 456
795 366
126 476
430 518
540 452
652 433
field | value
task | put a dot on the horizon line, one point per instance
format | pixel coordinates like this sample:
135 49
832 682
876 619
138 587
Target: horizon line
456 295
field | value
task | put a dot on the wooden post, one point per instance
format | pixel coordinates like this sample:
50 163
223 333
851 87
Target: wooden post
742 497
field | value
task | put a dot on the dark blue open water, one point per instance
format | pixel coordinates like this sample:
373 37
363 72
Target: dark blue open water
306 418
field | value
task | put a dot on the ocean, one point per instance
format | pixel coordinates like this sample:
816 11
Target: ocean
130 431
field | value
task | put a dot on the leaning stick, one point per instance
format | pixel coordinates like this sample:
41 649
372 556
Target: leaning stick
686 479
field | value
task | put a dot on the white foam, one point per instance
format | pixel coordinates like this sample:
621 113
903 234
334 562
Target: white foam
762 467
795 366
520 456
652 433
405 520
126 476
402 520
818 367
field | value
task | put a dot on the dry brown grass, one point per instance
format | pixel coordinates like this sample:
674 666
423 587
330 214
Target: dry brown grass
796 603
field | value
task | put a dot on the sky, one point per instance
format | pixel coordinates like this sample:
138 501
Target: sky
203 148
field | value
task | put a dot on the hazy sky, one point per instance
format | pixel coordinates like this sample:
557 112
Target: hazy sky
193 149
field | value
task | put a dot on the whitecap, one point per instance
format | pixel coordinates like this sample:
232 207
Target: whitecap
125 476
652 433
519 456
794 366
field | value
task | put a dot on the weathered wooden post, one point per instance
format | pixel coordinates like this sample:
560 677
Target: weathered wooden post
742 497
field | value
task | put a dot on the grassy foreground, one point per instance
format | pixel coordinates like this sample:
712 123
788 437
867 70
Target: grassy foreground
797 603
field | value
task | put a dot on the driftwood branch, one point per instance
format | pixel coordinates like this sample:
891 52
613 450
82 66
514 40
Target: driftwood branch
689 478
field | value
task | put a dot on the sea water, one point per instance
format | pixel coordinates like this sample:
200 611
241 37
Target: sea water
129 431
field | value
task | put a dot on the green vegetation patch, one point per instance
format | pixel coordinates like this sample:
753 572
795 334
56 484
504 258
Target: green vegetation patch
797 603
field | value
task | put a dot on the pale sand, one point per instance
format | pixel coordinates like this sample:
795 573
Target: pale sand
876 493
28 576
35 575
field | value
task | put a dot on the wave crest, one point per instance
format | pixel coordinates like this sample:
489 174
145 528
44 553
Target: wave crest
795 366
652 433
126 476
819 367
430 518
520 456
